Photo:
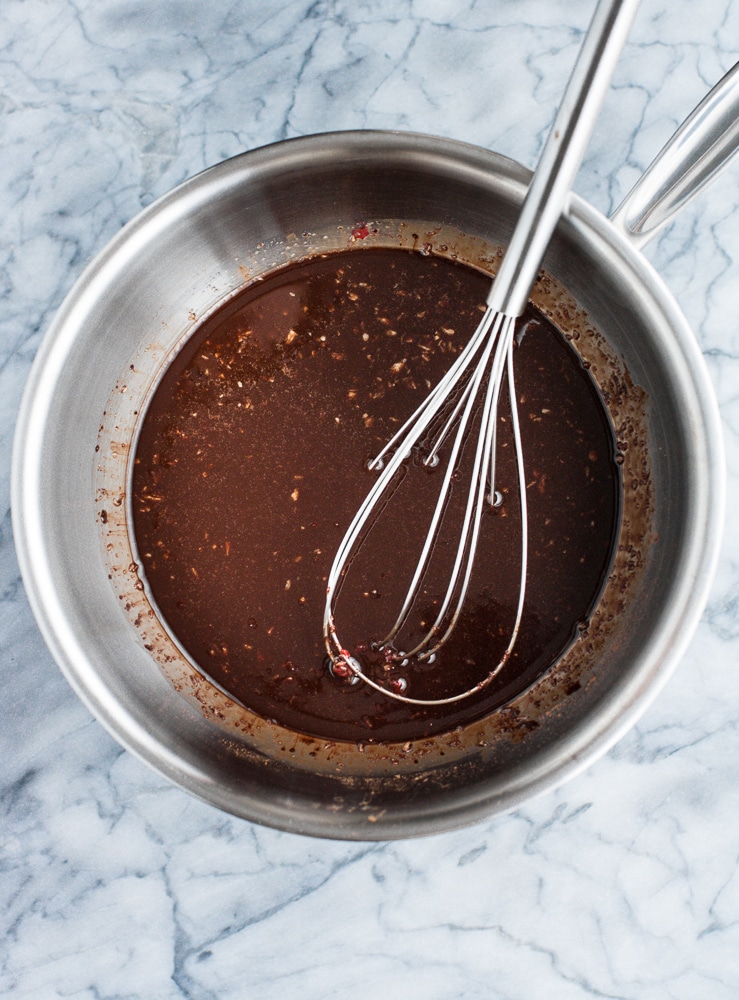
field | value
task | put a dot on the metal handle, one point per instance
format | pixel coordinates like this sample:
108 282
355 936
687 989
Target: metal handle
563 151
701 147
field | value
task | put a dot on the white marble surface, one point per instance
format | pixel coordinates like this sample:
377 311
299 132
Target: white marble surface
624 883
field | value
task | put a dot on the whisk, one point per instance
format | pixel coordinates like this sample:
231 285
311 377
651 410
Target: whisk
468 395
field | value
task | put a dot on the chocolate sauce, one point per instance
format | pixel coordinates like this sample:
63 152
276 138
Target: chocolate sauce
252 460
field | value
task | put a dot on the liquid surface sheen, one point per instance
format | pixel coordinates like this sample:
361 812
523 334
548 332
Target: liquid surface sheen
251 462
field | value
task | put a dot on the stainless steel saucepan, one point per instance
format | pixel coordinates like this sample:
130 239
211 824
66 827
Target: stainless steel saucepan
198 245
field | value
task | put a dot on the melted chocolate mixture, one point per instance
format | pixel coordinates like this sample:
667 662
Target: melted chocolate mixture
251 462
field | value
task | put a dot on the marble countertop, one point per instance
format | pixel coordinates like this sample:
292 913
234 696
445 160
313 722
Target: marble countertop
113 883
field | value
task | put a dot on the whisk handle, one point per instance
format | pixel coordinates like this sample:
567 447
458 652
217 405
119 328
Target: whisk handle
562 154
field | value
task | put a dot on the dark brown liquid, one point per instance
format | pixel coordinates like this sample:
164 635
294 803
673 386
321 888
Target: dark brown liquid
251 462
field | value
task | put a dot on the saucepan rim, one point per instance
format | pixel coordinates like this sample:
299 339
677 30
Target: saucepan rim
59 632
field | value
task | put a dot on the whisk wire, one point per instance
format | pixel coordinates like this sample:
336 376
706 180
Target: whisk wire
438 395
483 478
467 399
409 434
493 338
469 529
